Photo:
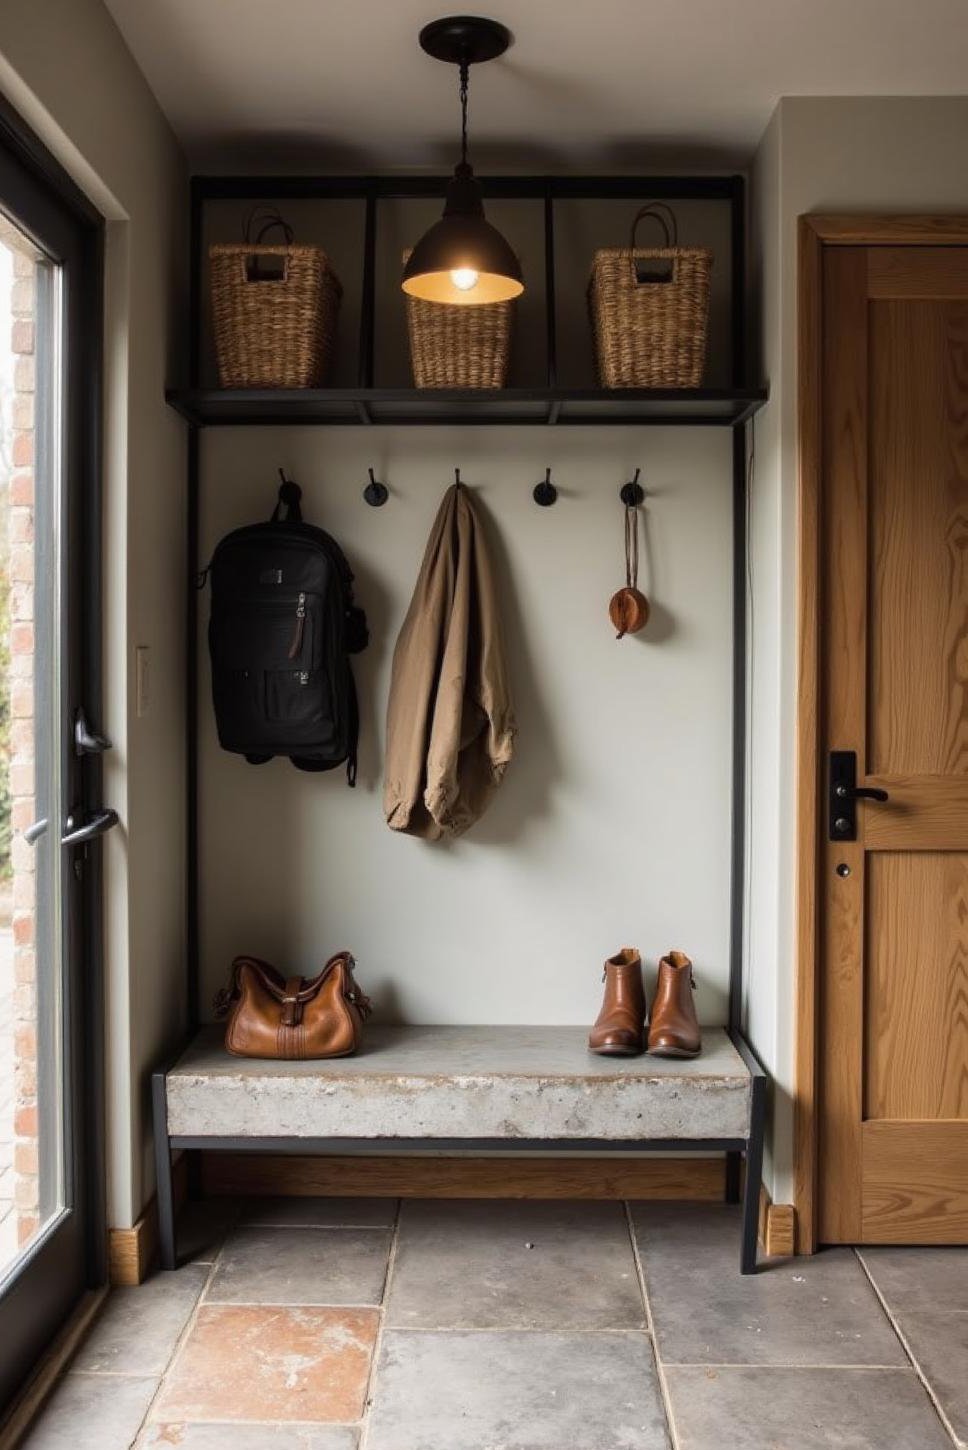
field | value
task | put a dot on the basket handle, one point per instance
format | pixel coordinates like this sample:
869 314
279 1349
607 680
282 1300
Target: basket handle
263 219
266 217
654 210
656 271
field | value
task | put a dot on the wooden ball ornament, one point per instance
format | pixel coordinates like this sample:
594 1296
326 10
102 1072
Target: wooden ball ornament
628 609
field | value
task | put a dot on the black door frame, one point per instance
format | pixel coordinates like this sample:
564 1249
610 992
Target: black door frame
44 201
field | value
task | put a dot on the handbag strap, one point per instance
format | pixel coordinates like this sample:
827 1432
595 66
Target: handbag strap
262 219
284 991
658 211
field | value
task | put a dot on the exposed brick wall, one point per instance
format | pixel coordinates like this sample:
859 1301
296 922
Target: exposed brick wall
20 556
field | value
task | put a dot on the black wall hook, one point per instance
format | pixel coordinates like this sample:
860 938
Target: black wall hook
545 493
376 494
632 493
457 477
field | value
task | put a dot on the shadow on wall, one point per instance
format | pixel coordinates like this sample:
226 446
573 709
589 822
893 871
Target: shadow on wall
371 594
661 624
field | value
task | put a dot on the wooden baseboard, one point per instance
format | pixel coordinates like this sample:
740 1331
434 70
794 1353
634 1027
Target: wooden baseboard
29 1402
132 1251
777 1227
433 1177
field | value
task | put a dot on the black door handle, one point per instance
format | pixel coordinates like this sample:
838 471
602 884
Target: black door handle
844 793
870 793
99 823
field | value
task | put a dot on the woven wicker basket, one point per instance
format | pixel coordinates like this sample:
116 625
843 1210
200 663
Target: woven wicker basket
275 326
453 346
649 309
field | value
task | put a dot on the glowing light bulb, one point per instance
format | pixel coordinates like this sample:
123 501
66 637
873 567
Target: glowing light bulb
464 277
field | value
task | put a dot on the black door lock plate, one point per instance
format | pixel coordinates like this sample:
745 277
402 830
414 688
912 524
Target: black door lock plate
843 794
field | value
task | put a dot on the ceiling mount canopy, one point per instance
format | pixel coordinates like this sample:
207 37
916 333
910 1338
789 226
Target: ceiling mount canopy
462 259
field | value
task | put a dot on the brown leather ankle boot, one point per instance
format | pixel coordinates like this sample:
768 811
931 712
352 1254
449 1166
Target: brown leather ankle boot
673 1025
619 1030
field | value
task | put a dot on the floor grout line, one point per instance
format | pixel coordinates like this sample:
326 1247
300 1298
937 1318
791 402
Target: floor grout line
340 1228
764 1366
563 1329
370 1391
650 1322
892 1320
187 1328
287 1304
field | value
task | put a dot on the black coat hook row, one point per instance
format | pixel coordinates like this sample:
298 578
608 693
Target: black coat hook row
632 493
376 494
543 493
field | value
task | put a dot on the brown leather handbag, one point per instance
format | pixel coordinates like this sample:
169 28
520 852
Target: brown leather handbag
295 1017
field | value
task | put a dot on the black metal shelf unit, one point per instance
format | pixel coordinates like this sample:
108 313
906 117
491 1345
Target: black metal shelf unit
730 407
545 404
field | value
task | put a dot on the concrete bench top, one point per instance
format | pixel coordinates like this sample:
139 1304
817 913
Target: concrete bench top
534 1083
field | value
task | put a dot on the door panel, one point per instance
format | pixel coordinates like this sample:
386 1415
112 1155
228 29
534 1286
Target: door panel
917 985
918 513
915 1183
894 629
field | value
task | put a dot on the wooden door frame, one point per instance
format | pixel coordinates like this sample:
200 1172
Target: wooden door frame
814 233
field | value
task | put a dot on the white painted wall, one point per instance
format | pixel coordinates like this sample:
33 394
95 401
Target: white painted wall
64 66
612 825
891 155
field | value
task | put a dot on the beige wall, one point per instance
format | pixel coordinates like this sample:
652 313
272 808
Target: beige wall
834 155
64 66
613 822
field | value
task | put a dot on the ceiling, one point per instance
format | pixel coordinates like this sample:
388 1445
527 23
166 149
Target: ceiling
611 84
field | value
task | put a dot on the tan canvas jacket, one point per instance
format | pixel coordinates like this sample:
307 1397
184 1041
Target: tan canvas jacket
450 722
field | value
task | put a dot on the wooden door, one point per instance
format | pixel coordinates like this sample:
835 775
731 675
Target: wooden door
893 931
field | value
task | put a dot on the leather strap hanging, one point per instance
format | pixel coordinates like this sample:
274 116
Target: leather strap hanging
631 547
629 609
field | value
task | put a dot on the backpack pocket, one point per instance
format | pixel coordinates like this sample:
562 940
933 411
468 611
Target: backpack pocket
297 697
265 634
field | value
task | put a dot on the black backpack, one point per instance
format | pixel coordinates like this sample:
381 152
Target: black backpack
282 626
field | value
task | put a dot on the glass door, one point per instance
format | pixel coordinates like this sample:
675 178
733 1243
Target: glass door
51 1214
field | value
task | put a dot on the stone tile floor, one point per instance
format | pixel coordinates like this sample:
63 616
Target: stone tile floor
352 1324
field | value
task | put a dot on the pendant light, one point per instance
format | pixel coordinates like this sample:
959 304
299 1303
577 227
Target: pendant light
462 259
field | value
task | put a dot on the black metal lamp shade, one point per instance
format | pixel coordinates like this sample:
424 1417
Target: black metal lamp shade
462 259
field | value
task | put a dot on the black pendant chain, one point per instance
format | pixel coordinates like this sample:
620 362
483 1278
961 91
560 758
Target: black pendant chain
464 76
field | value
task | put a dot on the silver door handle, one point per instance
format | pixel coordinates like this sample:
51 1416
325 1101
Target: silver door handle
98 825
33 833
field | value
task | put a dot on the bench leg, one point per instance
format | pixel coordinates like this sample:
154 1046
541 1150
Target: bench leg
165 1195
754 1176
734 1164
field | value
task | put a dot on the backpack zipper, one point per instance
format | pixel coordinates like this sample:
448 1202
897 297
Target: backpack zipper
297 638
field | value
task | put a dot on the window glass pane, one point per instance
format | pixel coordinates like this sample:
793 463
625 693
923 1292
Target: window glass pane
32 1122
